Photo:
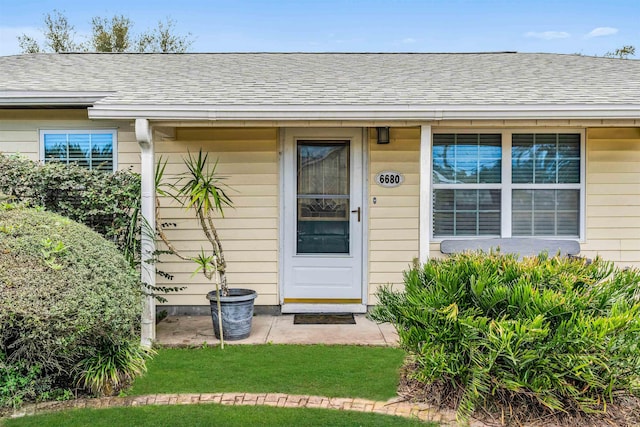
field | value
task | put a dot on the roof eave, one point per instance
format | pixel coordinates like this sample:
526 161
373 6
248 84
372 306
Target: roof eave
366 112
31 99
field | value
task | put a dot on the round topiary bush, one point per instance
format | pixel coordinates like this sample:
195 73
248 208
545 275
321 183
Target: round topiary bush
68 301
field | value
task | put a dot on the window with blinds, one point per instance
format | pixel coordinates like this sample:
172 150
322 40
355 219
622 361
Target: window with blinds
467 171
466 212
91 149
546 184
541 212
537 193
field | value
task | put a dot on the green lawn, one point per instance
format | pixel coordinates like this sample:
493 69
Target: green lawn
332 371
210 415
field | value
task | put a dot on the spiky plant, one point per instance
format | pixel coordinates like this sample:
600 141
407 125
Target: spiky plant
549 332
202 190
112 367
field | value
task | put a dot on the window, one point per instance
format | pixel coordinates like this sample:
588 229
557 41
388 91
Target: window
546 185
467 171
93 149
536 192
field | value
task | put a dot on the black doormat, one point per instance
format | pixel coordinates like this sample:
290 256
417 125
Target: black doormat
324 319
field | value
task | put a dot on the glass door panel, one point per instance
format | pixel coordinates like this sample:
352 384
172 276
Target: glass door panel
322 197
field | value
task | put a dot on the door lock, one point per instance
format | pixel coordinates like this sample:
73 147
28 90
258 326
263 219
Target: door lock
358 211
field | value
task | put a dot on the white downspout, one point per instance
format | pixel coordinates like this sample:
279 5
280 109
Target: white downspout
425 192
148 243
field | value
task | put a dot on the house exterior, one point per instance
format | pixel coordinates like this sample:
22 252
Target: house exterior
346 167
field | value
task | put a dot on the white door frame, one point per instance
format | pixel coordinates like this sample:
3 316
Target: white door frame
287 137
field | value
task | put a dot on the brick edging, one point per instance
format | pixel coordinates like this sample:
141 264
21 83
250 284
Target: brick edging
395 406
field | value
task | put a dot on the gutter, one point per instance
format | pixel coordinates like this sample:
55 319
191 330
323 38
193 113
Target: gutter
23 99
310 112
364 112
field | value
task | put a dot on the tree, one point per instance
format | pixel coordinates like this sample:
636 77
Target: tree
59 36
163 39
107 35
623 53
111 36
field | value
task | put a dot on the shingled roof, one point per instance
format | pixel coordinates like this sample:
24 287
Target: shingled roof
123 84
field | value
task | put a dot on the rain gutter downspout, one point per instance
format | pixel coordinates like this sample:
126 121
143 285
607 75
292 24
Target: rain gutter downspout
148 244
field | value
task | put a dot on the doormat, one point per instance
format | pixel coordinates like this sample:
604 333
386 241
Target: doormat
324 319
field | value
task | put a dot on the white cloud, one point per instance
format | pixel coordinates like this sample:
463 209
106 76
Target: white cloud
409 40
602 31
548 35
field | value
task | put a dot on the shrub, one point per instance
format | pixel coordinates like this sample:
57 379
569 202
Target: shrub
552 334
66 295
17 383
106 202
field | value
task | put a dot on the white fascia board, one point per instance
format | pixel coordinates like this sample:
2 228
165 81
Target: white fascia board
364 112
11 98
256 112
544 112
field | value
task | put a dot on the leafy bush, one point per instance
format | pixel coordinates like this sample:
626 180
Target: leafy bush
17 383
66 295
106 202
551 334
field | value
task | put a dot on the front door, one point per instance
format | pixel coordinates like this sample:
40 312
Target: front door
323 220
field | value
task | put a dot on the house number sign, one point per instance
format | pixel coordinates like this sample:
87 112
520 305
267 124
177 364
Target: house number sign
389 179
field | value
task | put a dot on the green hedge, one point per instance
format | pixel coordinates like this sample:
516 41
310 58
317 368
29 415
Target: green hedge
106 202
552 334
67 296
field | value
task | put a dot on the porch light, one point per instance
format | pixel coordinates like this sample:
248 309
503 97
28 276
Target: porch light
383 135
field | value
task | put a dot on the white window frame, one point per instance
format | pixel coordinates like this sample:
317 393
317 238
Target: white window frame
506 186
92 131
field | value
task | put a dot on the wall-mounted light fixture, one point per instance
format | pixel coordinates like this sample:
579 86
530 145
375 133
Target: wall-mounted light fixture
383 135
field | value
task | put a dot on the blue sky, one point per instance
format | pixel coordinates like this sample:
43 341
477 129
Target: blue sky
572 26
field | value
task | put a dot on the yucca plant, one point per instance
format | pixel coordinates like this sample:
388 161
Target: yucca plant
552 332
202 190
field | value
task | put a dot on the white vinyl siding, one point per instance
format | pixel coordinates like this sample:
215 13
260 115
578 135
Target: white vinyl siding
613 195
248 160
20 133
393 212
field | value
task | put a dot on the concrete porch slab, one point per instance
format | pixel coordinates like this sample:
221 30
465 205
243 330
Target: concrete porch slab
198 330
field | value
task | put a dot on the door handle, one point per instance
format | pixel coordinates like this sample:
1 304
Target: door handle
358 211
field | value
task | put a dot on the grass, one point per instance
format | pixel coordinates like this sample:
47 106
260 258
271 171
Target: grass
332 371
209 415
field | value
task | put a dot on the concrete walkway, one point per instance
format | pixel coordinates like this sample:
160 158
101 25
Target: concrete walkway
397 407
198 330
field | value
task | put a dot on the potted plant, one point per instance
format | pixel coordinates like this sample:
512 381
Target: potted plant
201 190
